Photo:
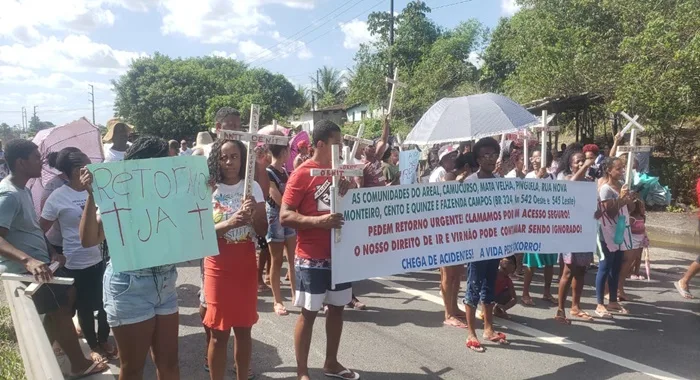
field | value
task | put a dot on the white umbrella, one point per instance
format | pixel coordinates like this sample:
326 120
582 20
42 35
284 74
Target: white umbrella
469 118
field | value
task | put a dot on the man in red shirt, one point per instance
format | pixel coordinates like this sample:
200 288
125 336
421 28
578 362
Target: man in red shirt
306 208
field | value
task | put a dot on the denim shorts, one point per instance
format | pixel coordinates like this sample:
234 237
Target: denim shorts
275 232
481 282
137 296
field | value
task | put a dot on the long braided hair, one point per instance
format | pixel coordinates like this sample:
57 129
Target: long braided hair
147 147
214 161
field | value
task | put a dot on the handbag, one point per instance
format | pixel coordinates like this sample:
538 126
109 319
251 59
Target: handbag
620 229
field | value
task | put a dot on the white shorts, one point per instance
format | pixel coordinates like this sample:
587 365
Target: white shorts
314 289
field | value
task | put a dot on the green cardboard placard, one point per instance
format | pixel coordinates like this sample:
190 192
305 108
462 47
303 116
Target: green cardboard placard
156 211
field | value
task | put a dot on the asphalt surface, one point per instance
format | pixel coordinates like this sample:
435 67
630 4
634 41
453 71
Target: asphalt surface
401 335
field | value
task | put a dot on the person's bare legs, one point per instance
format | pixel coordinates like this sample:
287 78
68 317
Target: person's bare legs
564 284
529 273
625 270
276 252
488 321
263 266
692 271
291 245
207 331
334 330
217 353
578 273
456 282
445 291
164 349
548 276
242 351
60 323
133 342
302 341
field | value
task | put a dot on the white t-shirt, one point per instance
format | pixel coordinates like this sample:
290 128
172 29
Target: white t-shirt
112 155
226 200
511 174
533 174
53 235
475 175
438 175
66 205
187 152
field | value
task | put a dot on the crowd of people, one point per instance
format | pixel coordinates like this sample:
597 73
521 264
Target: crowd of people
286 218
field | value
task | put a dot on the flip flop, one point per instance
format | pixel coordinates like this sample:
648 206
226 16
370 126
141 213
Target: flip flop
98 366
499 338
582 315
621 310
342 374
475 346
527 301
683 292
604 314
550 299
454 322
280 310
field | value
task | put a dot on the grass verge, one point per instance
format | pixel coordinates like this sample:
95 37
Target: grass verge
11 367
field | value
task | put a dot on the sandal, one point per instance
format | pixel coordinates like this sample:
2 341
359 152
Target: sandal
581 315
356 304
685 293
550 299
98 366
344 374
475 346
561 318
499 338
454 322
527 301
280 310
108 351
620 310
262 288
604 314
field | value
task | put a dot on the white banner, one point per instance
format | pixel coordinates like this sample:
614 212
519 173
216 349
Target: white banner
407 228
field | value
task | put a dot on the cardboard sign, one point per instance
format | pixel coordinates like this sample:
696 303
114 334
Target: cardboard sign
408 166
409 228
156 211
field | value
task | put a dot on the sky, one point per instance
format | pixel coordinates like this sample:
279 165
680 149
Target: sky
52 50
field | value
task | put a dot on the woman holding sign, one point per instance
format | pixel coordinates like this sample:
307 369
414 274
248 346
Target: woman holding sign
141 305
573 167
84 264
230 279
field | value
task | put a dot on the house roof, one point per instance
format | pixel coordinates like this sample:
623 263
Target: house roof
337 107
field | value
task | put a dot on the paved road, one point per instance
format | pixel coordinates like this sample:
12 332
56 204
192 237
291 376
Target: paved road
401 336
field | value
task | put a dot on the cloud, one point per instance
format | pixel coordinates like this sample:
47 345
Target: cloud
75 53
509 7
18 76
20 20
253 52
356 33
220 21
223 54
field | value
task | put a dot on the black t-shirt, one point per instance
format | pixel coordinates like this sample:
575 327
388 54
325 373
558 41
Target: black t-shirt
280 179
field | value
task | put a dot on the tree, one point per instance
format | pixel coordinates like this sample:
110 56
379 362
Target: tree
36 125
329 89
176 98
8 133
433 62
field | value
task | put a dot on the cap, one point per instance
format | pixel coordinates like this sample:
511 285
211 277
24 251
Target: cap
447 149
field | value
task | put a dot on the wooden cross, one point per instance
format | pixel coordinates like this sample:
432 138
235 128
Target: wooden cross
544 129
394 83
399 142
251 139
633 126
336 172
34 286
358 140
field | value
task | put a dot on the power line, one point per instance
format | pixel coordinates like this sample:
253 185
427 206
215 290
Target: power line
336 27
268 50
449 5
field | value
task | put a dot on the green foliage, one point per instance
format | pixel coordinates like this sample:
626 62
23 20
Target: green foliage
432 62
8 133
36 125
373 128
11 366
329 89
176 98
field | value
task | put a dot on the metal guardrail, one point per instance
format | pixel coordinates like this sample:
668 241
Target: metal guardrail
37 354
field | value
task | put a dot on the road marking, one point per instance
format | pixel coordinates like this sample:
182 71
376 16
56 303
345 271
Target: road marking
546 337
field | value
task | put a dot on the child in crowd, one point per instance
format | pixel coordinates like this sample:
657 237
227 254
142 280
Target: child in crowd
505 290
640 241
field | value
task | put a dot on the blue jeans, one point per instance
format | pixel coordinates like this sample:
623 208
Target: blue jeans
481 282
608 270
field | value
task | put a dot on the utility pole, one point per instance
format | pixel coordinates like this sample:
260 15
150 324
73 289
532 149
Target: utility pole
24 119
92 100
391 41
313 93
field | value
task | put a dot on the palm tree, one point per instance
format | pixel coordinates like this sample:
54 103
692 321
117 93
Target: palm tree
329 88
